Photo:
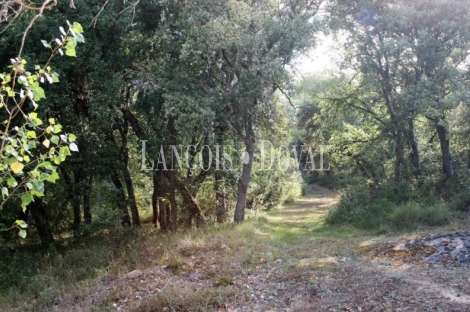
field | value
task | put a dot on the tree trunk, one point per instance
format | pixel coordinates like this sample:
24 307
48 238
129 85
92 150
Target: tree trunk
398 157
40 222
155 195
124 131
173 217
163 215
131 196
86 202
447 164
414 150
221 202
76 200
121 199
190 202
244 180
173 212
468 160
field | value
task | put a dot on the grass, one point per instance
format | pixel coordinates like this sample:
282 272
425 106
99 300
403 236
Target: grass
198 270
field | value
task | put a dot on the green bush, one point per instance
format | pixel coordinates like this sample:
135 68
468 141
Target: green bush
461 201
381 208
412 214
358 208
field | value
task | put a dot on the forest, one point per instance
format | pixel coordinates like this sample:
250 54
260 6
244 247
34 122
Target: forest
183 141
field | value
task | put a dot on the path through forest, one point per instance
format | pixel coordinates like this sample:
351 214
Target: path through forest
289 261
326 268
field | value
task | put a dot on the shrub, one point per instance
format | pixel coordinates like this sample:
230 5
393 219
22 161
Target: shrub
412 214
461 201
358 207
375 208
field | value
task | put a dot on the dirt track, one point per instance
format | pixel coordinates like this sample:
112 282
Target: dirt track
324 269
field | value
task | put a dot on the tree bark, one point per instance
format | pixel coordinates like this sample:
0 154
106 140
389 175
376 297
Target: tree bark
86 201
40 222
244 180
173 211
414 150
221 202
190 202
155 195
398 157
173 206
131 195
121 199
124 131
447 164
163 217
77 218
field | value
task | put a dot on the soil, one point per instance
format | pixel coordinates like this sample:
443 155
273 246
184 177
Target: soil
323 271
361 274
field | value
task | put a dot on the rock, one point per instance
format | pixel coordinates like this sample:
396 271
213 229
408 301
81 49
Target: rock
134 274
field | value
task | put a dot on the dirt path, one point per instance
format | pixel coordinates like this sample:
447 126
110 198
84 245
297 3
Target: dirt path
288 261
321 268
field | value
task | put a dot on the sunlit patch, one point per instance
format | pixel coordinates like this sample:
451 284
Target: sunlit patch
317 263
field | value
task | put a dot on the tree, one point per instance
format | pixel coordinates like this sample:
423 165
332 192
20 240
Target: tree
30 151
410 53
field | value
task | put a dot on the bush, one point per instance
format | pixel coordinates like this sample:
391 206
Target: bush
411 215
461 201
358 208
270 188
379 208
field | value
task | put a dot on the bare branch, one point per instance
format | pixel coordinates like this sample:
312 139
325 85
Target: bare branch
95 19
287 96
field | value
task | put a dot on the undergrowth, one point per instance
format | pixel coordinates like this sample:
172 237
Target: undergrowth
386 209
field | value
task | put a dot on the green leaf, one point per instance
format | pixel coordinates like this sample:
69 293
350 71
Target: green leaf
55 139
72 137
11 182
77 28
36 193
38 186
31 144
70 52
80 38
23 80
55 77
57 128
26 199
31 134
44 164
65 151
4 191
21 224
11 160
22 234
46 44
52 121
57 160
71 43
53 177
38 92
44 176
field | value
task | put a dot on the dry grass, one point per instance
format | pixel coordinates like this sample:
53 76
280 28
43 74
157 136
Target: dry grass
286 260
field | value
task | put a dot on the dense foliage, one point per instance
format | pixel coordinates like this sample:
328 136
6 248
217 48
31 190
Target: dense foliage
395 112
168 103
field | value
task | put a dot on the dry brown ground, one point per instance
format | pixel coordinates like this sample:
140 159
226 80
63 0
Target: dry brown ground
295 263
288 260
